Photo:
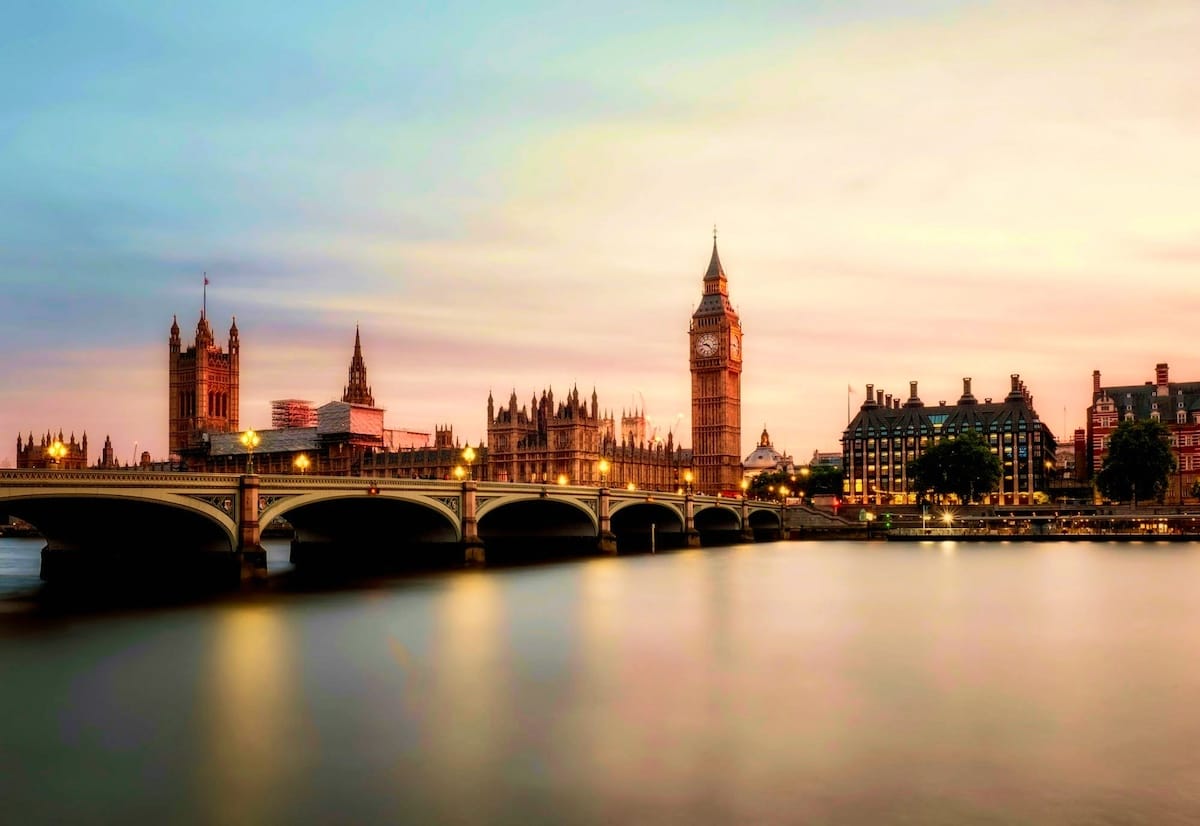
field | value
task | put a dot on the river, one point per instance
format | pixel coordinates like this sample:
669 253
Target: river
802 682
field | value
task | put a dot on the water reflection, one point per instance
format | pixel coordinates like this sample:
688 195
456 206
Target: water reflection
786 682
256 734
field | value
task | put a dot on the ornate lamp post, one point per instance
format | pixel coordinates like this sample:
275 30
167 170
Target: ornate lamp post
745 487
630 486
302 463
468 455
603 468
250 440
562 478
687 481
459 473
56 451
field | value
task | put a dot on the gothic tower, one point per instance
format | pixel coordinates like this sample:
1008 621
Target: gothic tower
716 363
203 389
357 391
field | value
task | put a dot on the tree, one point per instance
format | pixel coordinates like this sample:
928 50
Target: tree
964 466
1138 462
820 479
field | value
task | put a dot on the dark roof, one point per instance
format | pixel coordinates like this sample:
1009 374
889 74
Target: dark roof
282 440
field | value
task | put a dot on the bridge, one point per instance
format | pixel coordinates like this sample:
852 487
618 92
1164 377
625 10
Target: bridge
161 521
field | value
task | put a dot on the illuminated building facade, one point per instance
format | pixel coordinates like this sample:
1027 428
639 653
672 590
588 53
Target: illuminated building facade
1175 404
38 455
886 435
548 442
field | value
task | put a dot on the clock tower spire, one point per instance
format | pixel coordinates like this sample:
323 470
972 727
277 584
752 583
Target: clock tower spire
715 358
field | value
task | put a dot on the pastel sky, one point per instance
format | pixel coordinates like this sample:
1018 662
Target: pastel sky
520 196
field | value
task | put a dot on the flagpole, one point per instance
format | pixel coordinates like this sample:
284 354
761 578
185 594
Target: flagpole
204 300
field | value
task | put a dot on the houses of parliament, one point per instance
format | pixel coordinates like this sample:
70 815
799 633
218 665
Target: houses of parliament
567 441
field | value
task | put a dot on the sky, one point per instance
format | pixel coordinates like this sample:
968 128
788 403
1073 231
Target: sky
521 196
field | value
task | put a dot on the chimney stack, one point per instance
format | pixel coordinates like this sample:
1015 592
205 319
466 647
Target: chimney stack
1095 381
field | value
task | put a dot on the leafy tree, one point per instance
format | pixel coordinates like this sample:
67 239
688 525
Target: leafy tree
964 466
1196 490
820 479
1138 462
824 480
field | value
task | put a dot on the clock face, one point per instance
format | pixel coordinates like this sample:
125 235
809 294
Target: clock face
735 346
706 345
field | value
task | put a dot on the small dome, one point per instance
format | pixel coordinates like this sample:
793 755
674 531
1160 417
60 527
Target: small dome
765 457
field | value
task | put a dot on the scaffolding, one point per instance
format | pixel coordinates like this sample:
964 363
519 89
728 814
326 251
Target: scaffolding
293 413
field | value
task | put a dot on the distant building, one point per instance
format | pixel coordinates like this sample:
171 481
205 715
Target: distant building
543 441
1175 404
886 435
766 459
820 459
37 455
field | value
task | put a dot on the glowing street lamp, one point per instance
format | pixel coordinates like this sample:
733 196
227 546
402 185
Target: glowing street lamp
302 463
687 480
603 467
459 473
56 451
745 487
468 455
562 478
630 486
250 440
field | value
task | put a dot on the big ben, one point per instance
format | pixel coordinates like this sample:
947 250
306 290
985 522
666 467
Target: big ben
715 341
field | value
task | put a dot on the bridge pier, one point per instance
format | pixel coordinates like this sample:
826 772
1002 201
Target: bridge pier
474 552
747 532
691 535
251 554
607 541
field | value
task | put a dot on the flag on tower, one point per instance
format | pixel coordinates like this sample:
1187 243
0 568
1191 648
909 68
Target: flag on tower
206 280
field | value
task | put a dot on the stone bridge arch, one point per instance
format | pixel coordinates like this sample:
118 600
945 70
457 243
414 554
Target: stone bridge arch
352 528
640 524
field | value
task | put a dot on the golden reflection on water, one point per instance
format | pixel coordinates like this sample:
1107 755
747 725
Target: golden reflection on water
470 718
256 732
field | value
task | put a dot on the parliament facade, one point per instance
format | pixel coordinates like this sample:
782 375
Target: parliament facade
886 435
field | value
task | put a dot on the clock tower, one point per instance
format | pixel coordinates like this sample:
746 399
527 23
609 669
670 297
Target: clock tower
715 340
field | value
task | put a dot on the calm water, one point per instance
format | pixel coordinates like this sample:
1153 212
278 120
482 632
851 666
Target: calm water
839 683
